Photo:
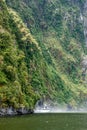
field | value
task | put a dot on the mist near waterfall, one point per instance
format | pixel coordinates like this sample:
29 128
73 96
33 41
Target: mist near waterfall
54 107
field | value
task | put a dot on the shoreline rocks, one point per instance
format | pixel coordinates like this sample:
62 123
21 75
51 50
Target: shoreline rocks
10 111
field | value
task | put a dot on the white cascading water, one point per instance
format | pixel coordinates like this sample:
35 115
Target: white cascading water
85 21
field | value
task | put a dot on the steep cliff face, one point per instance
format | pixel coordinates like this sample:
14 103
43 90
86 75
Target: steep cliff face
14 78
49 47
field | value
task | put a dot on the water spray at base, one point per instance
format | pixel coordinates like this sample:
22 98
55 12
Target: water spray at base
53 107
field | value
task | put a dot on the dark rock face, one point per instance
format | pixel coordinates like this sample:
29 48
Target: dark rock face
12 112
23 111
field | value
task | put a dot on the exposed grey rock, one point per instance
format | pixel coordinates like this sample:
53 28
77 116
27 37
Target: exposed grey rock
12 112
22 111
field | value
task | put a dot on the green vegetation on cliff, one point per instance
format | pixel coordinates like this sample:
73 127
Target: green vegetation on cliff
41 48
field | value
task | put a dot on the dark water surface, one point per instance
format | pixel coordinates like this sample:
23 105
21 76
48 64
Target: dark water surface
45 122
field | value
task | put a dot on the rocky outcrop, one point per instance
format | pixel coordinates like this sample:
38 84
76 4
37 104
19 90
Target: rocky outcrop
10 111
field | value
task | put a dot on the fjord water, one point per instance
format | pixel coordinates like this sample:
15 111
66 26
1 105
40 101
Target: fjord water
57 121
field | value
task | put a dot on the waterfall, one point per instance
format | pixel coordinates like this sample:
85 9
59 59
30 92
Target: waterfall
85 21
83 18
